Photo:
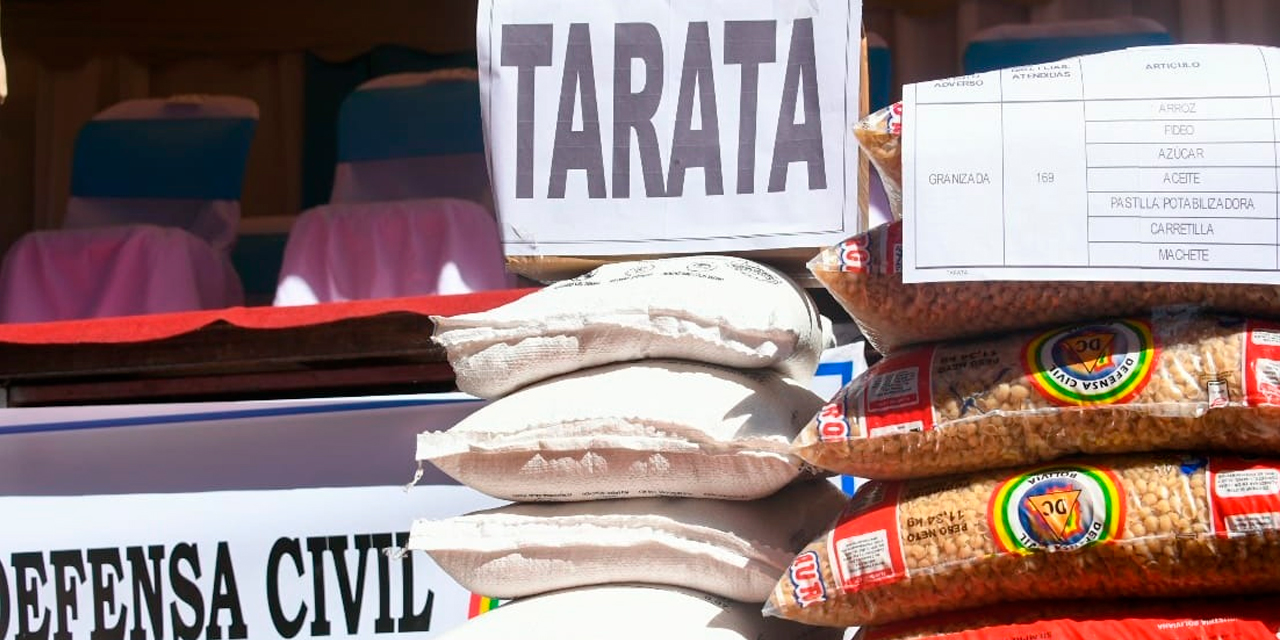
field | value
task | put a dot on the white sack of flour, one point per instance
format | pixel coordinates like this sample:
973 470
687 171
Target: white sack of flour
733 549
714 309
651 428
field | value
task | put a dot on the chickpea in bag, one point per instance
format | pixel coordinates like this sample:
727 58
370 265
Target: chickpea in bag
1165 382
864 275
1142 526
880 137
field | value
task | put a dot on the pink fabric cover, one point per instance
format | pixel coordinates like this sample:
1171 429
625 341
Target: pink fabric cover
433 246
398 227
114 271
113 257
214 221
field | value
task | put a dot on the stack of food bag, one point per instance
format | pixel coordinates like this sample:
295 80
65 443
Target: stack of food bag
640 424
1039 442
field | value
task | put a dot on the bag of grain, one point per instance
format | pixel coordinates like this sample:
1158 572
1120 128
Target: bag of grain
632 612
1156 525
1254 618
880 136
713 309
640 429
1164 382
864 274
734 549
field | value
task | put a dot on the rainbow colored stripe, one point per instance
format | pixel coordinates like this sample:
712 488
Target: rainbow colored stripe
481 604
1002 510
1040 372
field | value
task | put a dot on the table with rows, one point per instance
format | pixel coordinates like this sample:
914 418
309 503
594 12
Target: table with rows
1142 160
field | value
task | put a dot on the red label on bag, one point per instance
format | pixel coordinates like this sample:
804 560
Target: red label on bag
853 255
897 394
895 119
1262 364
833 422
1190 619
805 574
1132 629
1244 496
865 547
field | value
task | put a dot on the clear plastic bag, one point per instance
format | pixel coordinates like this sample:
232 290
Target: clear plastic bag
1150 526
864 274
1164 382
880 136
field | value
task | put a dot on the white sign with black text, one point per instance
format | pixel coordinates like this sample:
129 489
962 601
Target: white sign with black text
659 127
226 520
1150 164
302 563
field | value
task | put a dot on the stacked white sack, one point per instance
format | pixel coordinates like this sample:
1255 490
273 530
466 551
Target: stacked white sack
714 309
733 549
640 429
641 420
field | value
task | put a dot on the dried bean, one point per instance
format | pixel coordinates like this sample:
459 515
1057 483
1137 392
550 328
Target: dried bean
1185 381
862 274
1038 533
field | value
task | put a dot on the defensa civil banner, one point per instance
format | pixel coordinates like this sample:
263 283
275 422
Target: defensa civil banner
225 521
650 126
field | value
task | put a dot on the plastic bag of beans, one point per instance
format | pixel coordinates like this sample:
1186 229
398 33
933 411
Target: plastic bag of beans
880 136
1165 382
864 274
1156 525
1255 618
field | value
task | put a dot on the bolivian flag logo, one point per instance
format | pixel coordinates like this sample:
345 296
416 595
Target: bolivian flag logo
1095 364
478 605
1056 508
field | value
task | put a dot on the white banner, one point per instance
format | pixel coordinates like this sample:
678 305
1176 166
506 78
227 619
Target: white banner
219 521
234 520
306 563
221 446
653 126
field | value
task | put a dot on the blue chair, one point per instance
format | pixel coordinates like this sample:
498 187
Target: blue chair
151 219
412 135
410 212
880 71
1016 45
